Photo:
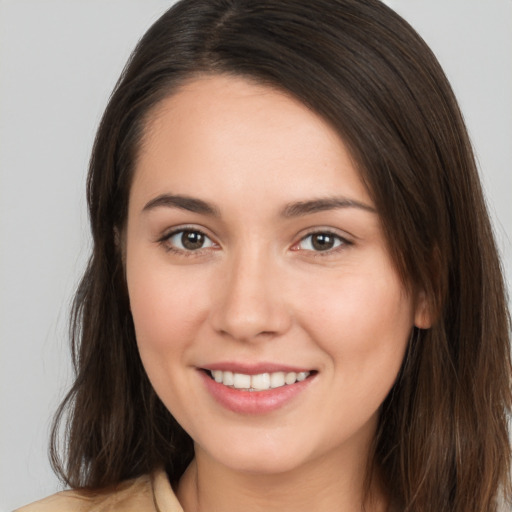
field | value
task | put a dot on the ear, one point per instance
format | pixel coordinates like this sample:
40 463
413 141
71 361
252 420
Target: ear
423 315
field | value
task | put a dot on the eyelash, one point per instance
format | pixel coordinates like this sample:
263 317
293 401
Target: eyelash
342 243
165 241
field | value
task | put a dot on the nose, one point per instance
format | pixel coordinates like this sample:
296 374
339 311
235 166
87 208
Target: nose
249 304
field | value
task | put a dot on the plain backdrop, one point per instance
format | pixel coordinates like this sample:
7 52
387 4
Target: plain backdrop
59 60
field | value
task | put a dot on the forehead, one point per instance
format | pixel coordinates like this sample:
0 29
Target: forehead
228 134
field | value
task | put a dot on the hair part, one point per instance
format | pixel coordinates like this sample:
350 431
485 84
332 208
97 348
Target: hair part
442 442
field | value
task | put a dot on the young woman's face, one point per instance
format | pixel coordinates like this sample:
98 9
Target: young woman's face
269 316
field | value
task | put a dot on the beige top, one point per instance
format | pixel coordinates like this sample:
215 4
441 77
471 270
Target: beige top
148 493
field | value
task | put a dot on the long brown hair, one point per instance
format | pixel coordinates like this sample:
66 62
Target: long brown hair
442 443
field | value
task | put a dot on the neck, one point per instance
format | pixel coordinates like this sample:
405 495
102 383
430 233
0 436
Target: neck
318 486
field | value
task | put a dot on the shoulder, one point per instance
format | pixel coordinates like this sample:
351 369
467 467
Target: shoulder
137 495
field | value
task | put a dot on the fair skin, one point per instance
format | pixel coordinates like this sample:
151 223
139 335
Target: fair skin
253 247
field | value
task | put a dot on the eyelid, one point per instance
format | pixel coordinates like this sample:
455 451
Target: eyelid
168 234
345 241
344 238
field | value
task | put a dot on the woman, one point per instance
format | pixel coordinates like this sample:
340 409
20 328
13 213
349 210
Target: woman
294 299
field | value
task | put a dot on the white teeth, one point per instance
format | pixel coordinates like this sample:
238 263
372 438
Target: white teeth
228 379
290 378
259 382
241 381
302 376
276 380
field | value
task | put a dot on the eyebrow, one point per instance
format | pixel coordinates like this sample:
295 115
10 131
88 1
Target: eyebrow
301 208
295 209
188 203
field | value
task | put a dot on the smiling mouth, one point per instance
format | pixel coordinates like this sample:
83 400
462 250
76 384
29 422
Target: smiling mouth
258 382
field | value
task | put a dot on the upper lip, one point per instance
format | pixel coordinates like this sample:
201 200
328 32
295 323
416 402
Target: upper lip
254 368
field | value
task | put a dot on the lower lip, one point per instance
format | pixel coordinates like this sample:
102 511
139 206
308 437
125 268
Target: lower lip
254 402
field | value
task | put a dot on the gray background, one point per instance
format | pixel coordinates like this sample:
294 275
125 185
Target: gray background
59 60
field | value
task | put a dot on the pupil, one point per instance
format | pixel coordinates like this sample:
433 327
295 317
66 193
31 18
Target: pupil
323 242
192 240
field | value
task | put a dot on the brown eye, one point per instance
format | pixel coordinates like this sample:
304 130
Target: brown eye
321 242
192 240
189 240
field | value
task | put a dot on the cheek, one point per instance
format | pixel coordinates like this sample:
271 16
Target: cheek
363 323
167 306
168 313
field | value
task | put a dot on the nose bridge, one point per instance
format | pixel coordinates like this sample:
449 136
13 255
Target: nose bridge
249 303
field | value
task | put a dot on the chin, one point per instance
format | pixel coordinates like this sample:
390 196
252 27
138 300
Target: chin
261 458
